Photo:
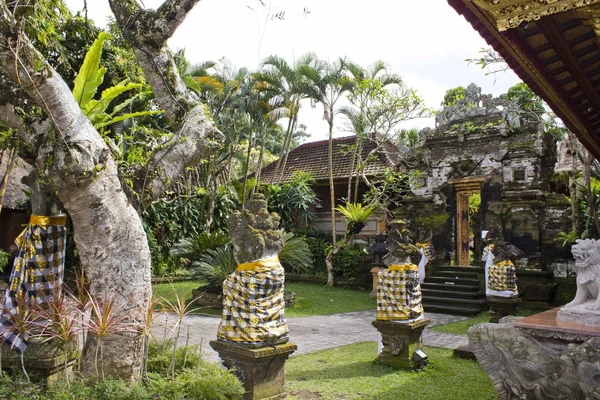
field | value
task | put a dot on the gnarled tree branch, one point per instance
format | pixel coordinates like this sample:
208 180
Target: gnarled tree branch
196 136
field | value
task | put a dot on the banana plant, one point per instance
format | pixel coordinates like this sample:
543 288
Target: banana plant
87 82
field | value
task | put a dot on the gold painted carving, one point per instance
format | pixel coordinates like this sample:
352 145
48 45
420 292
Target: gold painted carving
591 16
511 13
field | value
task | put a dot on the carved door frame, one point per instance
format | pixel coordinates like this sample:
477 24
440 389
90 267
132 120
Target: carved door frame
463 188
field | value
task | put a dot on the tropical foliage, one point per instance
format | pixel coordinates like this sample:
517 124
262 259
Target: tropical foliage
356 215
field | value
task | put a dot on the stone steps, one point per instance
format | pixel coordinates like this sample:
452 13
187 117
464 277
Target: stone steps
454 290
453 294
450 280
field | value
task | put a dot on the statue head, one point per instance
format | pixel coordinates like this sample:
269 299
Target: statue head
504 251
254 231
586 253
400 246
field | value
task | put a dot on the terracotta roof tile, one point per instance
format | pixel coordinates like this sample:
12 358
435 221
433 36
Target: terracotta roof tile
312 158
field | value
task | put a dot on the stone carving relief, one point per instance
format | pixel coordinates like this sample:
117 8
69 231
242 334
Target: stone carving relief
473 104
524 367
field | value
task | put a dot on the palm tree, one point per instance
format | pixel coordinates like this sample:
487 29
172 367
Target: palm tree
286 87
328 84
359 121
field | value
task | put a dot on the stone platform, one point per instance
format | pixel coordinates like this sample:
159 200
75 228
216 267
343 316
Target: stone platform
261 370
400 342
539 357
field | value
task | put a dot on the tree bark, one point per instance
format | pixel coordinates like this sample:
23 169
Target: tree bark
147 31
76 162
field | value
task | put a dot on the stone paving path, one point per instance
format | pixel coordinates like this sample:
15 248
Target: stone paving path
310 333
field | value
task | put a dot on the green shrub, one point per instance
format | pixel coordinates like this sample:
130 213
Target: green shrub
160 353
295 254
193 248
350 261
19 389
318 242
195 379
215 265
4 256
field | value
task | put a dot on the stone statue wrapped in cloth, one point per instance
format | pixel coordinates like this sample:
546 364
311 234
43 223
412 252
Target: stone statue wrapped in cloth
502 275
253 299
398 287
38 268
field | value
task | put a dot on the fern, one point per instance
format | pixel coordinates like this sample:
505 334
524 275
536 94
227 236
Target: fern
90 75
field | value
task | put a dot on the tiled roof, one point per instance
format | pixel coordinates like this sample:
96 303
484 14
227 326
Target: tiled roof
312 158
14 196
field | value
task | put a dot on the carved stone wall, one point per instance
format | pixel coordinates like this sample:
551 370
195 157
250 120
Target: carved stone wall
488 139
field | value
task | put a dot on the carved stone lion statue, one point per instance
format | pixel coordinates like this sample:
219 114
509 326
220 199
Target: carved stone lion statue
587 260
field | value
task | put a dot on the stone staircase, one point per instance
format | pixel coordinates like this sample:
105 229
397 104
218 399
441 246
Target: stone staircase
454 290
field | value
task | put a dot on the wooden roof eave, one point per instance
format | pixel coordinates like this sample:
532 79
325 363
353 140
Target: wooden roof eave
518 56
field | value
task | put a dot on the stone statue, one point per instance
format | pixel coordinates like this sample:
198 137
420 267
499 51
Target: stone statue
253 301
38 268
585 307
587 260
398 289
502 275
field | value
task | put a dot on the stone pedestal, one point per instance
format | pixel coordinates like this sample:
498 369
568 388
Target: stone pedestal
502 306
400 341
261 370
44 361
374 272
581 315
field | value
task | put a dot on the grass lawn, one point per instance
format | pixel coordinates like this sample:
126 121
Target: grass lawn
348 372
311 299
461 327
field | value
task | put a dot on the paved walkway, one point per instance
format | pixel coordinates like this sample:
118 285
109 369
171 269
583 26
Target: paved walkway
309 333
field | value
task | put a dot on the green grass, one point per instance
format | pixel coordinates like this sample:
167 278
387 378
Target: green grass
348 373
184 290
311 299
461 327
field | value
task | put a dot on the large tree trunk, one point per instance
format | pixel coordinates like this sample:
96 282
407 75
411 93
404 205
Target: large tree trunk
75 160
77 163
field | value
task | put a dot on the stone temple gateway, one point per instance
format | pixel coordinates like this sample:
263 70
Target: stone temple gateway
491 147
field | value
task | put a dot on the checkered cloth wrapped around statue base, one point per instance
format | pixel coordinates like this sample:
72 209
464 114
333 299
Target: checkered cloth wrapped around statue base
253 303
428 250
399 294
37 273
503 277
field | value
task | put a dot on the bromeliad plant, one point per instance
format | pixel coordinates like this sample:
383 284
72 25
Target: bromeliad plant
356 215
105 320
87 82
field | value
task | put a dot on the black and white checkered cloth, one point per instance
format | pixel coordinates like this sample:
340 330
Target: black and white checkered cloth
253 303
502 276
399 293
37 275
